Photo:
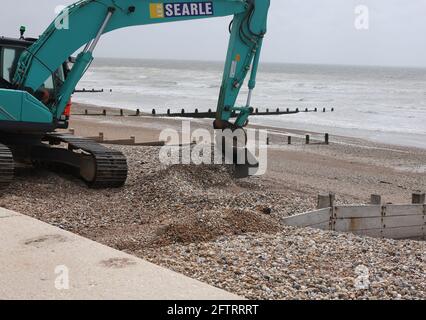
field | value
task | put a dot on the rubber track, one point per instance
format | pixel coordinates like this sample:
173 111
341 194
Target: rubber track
111 165
7 166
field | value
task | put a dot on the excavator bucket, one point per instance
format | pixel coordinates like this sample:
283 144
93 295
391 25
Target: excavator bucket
244 170
244 162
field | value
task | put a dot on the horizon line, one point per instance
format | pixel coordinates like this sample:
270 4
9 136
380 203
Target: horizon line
272 62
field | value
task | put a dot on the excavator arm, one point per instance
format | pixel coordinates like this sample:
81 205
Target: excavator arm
88 20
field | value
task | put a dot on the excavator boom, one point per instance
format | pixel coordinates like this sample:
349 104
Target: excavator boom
88 20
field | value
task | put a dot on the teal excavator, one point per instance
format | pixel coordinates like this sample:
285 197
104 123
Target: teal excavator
37 79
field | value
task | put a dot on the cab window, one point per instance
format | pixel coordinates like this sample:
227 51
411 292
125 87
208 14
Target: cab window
55 81
9 57
48 91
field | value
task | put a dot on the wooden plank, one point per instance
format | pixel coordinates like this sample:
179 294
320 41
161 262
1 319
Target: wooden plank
403 210
374 233
343 212
404 232
404 221
309 218
321 226
321 220
305 221
356 224
120 142
324 201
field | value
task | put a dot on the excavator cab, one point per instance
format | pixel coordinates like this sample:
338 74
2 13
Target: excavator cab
10 52
95 164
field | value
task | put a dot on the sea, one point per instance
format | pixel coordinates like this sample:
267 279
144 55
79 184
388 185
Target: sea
381 104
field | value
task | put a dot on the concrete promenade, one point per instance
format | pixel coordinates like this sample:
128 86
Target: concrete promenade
40 261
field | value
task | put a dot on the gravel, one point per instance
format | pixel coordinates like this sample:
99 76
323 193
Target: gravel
303 264
200 221
158 206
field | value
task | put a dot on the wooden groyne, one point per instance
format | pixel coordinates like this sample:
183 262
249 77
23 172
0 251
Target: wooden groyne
394 221
209 114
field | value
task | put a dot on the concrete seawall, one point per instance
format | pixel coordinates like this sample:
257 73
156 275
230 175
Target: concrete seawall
39 261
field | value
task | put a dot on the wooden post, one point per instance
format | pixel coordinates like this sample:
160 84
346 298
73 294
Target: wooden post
324 201
101 136
308 139
376 199
418 198
327 138
332 198
289 139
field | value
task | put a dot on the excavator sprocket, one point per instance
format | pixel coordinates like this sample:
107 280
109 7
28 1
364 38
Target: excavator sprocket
7 166
98 166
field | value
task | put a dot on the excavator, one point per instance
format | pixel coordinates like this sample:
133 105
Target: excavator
37 80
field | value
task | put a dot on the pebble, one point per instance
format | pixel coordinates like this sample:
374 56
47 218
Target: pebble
331 275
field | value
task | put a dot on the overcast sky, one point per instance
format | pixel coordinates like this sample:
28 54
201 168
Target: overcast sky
300 31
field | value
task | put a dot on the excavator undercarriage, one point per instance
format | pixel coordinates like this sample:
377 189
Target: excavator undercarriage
7 166
97 165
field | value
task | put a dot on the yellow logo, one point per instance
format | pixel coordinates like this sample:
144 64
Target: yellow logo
156 10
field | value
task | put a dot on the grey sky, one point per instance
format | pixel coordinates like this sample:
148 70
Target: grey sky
302 31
